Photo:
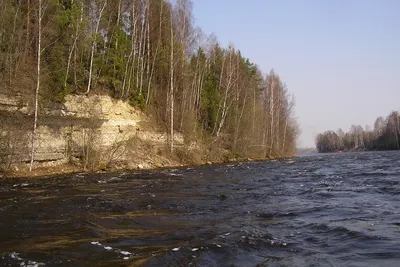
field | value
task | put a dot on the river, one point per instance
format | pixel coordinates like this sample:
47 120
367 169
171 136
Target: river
319 210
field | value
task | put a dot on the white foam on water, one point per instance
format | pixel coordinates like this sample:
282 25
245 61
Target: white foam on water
175 249
195 249
32 264
108 248
15 255
25 263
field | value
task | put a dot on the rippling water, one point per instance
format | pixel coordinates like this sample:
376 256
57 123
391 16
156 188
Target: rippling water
324 210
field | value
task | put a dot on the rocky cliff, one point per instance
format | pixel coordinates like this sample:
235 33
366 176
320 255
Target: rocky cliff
92 131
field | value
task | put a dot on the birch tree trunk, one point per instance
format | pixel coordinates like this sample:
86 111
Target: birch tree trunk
277 116
289 111
171 94
225 105
39 54
239 119
148 40
133 49
140 57
125 77
271 112
93 47
142 65
200 87
73 46
284 137
155 56
28 18
219 88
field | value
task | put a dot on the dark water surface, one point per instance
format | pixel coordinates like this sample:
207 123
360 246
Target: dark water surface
324 210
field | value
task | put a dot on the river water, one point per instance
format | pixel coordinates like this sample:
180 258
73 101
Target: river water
321 210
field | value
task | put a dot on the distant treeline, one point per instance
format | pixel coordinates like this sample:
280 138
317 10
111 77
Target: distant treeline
384 136
149 53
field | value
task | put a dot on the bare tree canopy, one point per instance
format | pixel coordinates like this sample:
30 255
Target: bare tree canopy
384 136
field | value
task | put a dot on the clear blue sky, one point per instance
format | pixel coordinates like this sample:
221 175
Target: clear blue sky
341 58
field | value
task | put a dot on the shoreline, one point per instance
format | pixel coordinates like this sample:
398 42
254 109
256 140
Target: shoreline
43 170
356 151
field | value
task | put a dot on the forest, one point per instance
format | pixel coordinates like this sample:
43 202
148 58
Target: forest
150 54
384 136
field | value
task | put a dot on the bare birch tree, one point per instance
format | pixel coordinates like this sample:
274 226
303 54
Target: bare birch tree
39 55
94 41
171 91
73 46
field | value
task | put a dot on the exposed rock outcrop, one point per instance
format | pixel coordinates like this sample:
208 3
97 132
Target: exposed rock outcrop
97 130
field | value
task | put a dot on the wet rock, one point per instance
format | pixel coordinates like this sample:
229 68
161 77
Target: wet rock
222 196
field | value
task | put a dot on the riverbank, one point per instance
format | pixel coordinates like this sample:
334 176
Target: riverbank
356 150
50 169
96 133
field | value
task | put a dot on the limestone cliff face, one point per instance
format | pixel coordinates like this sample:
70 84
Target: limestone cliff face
96 128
